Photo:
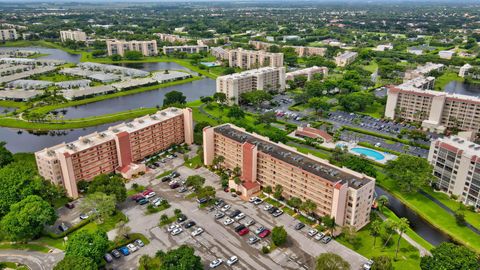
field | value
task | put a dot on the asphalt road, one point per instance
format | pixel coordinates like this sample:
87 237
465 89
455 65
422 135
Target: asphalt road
34 260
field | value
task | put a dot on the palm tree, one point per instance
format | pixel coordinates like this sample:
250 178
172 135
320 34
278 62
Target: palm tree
375 229
328 261
390 227
402 225
382 201
330 224
308 206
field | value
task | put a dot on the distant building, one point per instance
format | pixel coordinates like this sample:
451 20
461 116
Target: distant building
115 149
73 35
381 48
464 70
267 78
171 38
147 48
301 51
421 82
423 70
8 34
313 133
186 49
345 59
446 54
456 167
288 38
247 59
415 51
308 72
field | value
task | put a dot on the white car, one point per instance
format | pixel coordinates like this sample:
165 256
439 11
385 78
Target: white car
225 207
312 232
258 201
249 223
368 265
132 248
176 231
267 207
157 201
232 260
216 263
319 236
252 199
150 195
197 231
240 216
228 221
172 227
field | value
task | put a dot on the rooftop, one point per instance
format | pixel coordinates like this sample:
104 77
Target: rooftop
469 148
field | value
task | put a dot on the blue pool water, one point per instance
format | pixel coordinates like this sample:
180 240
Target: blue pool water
368 152
209 64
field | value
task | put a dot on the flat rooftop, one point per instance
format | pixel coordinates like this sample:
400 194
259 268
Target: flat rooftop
315 166
470 149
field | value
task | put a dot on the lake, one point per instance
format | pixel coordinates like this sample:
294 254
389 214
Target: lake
54 54
456 87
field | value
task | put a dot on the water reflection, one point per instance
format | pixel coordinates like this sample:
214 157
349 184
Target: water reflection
455 87
52 53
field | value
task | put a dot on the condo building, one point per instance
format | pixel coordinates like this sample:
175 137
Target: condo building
421 82
307 72
301 51
345 59
423 70
114 150
186 49
437 111
247 59
73 35
267 78
8 34
171 38
340 193
464 70
147 48
456 167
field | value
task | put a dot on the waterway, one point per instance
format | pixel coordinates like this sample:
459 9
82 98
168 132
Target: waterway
456 87
55 54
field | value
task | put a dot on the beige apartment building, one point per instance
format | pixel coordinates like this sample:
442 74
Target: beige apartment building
345 59
437 111
147 48
114 150
186 49
73 35
267 78
340 193
308 72
171 38
422 71
8 34
247 59
456 167
301 51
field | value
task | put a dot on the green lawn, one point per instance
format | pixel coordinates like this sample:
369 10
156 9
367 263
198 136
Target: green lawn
273 202
55 77
195 162
377 110
447 77
372 67
32 247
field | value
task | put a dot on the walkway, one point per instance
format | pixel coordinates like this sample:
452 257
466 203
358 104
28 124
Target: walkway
34 260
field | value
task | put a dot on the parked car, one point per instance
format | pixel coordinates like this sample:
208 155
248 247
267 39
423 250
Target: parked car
124 251
243 232
157 201
216 263
272 210
252 199
143 201
219 202
137 197
239 228
181 218
83 216
368 265
63 227
183 189
108 257
116 253
258 201
277 213
139 243
312 232
197 231
190 224
319 236
202 200
165 179
252 240
326 239
299 226
232 260
70 205
240 216
234 213
174 174
176 231
267 207
249 223
174 185
264 233
147 191
132 248
259 230
219 215
228 221
225 207
150 195
172 227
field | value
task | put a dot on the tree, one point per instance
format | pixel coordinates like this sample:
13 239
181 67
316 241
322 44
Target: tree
308 206
206 99
217 160
206 192
220 97
133 55
382 201
409 172
357 101
109 185
289 56
331 261
87 244
103 203
460 217
448 256
267 189
319 104
182 258
402 226
236 112
329 223
116 57
375 229
122 231
382 263
350 234
76 263
267 118
279 235
228 70
294 202
27 218
195 181
174 97
256 97
278 192
6 156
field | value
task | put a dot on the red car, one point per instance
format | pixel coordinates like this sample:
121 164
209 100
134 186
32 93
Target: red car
243 232
147 191
264 233
137 197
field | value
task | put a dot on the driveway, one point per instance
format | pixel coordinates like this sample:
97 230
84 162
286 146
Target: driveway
34 260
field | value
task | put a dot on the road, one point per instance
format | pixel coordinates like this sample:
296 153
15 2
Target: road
34 260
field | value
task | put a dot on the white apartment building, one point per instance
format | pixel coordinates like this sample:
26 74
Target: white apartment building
421 82
345 59
147 48
247 59
308 72
456 167
8 34
423 70
446 54
186 49
437 111
171 38
73 35
382 48
301 51
464 70
267 78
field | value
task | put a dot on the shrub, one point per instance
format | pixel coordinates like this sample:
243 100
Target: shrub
265 250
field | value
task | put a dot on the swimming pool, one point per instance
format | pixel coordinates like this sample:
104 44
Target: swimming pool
209 64
368 152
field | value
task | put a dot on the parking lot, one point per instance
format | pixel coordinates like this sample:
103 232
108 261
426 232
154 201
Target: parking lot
219 240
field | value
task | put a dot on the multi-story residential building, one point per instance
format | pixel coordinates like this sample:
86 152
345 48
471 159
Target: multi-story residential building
384 47
299 50
340 193
423 70
114 150
308 72
456 167
186 49
73 35
345 58
171 38
8 34
437 111
247 59
219 53
147 48
421 82
267 78
464 70
446 54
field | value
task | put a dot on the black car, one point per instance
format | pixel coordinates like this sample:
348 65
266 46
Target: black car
202 200
174 174
219 203
181 218
116 253
272 210
190 224
174 185
239 228
108 258
174 155
234 213
166 179
299 226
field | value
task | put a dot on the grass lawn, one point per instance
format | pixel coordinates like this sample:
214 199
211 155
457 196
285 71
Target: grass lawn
305 220
288 211
377 110
194 163
165 173
447 77
55 77
12 265
32 247
371 67
273 202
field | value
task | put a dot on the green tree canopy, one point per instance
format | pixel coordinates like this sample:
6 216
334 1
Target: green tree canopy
279 235
448 256
409 172
331 261
6 156
220 97
76 263
109 185
182 258
356 102
256 97
382 263
103 203
27 218
133 55
196 181
174 97
87 244
236 112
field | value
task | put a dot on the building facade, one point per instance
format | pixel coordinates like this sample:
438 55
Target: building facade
147 48
340 193
186 49
171 38
73 35
345 58
456 167
423 70
464 70
267 78
307 72
247 59
115 149
8 34
437 111
301 51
